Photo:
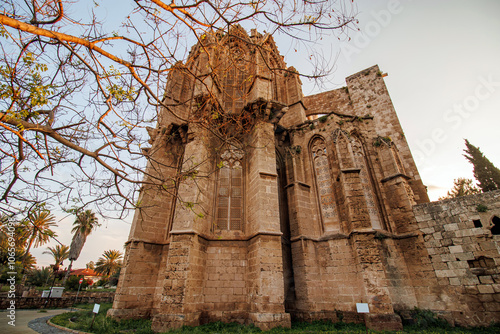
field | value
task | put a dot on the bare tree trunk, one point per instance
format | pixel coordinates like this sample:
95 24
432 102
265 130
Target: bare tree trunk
67 273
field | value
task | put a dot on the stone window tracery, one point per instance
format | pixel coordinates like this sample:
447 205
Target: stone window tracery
324 184
371 205
229 215
235 80
278 80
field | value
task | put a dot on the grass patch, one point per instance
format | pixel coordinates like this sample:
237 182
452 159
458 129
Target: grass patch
217 327
81 320
90 306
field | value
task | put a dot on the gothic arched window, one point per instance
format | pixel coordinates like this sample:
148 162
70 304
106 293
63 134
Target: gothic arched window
229 214
235 80
324 185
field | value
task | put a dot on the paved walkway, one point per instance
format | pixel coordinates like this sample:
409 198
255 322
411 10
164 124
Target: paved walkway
30 322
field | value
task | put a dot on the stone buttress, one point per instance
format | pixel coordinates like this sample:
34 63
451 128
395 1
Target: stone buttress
260 205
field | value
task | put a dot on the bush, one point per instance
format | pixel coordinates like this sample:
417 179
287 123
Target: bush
74 281
481 208
102 282
425 319
323 118
39 277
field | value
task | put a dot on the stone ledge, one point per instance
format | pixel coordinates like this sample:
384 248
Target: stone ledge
268 174
351 170
299 183
348 236
147 242
391 177
210 238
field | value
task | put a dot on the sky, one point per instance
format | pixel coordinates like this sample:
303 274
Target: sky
443 64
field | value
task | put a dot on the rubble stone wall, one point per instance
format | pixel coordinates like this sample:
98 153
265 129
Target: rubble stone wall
465 254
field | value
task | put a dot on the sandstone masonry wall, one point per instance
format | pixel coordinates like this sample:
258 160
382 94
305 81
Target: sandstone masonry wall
464 255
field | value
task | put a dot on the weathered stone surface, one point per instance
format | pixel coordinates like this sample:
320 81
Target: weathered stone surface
312 206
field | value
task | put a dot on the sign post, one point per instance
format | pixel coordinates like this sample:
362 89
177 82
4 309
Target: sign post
95 310
363 308
80 284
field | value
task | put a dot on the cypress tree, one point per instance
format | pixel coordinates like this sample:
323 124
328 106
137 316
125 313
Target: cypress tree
461 187
485 172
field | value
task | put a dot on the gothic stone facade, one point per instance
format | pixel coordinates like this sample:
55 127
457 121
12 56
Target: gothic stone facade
271 212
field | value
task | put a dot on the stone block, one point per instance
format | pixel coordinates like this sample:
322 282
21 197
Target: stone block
451 227
485 289
456 249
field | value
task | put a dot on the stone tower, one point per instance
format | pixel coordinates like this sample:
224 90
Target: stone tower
261 204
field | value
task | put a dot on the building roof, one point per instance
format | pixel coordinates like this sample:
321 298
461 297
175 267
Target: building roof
84 272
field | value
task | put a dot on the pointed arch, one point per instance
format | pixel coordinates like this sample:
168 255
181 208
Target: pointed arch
278 78
342 141
230 188
235 73
324 184
390 154
372 204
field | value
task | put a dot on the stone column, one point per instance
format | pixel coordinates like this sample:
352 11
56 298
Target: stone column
177 302
369 259
265 262
148 239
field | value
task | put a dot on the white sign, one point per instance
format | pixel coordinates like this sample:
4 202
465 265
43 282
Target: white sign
362 308
96 308
56 292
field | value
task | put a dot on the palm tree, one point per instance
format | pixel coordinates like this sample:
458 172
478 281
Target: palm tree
38 226
109 263
40 277
20 239
84 224
90 265
59 253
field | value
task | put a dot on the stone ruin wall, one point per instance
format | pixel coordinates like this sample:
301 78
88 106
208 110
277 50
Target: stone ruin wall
464 255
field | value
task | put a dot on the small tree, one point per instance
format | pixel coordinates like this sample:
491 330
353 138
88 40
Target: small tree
59 253
84 224
461 187
109 263
485 172
40 277
38 226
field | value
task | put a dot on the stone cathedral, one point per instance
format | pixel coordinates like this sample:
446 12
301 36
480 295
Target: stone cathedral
262 205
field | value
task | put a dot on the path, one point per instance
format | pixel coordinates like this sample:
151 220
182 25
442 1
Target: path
30 322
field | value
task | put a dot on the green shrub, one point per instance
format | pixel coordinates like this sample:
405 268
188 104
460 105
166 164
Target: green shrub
481 208
102 282
74 281
425 319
